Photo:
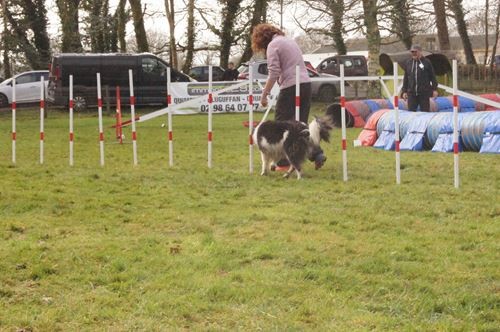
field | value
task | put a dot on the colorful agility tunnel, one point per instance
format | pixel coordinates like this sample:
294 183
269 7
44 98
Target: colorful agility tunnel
359 111
478 131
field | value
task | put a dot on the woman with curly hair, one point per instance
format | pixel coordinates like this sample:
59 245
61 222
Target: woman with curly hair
283 55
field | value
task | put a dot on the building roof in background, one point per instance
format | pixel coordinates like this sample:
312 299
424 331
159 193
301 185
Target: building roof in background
428 42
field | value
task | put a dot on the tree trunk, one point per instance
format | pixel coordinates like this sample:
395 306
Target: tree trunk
401 15
226 36
37 18
370 11
71 38
337 9
442 25
259 16
497 35
120 21
5 44
140 30
21 39
457 8
191 35
486 42
170 10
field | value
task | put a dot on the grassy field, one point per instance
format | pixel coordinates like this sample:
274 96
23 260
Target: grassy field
155 248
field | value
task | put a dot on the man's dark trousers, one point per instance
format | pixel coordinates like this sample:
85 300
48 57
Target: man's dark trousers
422 100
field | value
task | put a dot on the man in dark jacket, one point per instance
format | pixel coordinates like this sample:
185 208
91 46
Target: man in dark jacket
419 83
230 74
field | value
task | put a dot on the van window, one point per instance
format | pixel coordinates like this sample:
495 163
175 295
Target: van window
347 63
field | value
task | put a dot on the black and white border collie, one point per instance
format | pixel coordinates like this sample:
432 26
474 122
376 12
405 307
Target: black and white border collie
291 140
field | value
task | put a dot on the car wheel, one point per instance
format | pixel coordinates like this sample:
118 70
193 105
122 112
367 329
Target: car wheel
327 93
4 102
79 103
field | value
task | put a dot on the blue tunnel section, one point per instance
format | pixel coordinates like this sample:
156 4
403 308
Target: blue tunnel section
478 131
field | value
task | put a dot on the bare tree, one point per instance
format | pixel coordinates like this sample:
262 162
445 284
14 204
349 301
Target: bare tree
227 33
486 36
120 19
332 12
140 30
370 11
441 24
458 11
401 17
170 10
497 34
191 36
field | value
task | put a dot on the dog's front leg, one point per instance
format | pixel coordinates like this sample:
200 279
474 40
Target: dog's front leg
265 164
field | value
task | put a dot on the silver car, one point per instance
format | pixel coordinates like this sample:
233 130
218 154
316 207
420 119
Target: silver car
321 91
27 87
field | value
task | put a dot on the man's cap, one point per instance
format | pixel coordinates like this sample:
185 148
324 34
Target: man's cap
415 47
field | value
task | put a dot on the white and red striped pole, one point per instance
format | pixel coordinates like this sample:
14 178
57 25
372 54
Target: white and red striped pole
396 123
99 109
170 130
119 128
210 101
250 118
14 134
344 129
455 126
297 93
42 111
71 134
132 115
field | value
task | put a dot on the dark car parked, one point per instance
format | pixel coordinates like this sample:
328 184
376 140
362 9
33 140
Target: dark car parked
149 72
200 73
354 65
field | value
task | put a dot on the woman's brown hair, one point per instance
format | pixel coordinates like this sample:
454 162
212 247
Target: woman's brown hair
262 35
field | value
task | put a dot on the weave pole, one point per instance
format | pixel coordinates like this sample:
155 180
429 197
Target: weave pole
396 121
119 129
170 129
344 129
455 126
132 115
250 118
42 111
99 108
210 100
297 93
71 134
14 121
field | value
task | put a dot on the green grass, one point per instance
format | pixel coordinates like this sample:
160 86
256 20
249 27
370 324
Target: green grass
158 248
